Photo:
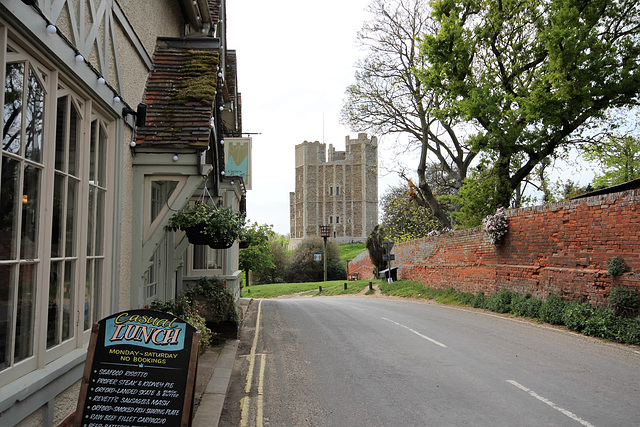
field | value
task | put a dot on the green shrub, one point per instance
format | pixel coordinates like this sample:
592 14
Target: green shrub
552 309
616 266
603 324
479 300
500 302
184 309
629 330
518 303
525 305
465 298
219 304
623 301
576 314
532 307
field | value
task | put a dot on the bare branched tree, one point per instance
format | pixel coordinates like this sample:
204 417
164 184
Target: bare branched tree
388 98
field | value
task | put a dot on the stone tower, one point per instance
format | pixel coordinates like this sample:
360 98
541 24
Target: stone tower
341 190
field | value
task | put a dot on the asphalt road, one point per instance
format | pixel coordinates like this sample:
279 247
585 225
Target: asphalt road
377 362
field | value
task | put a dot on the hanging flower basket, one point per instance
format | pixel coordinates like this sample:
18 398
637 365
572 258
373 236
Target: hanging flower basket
195 235
217 227
219 242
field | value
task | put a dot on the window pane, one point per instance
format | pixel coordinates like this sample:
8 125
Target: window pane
61 132
216 262
70 233
57 232
74 128
160 193
92 153
206 258
97 291
68 300
200 257
88 295
30 213
6 313
34 119
13 94
100 222
53 314
102 166
92 193
25 312
9 205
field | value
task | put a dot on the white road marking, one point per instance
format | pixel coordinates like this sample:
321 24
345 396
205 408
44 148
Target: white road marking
415 332
550 403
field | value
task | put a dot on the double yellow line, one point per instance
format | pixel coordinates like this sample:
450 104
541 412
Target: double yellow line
245 403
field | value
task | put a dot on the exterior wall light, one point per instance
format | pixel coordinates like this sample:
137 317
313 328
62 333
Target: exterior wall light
51 29
175 157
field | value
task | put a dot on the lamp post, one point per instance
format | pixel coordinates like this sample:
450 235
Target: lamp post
325 231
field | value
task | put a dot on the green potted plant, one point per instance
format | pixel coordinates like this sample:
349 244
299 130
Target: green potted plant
217 227
215 304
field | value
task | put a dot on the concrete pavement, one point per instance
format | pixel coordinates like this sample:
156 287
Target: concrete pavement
214 375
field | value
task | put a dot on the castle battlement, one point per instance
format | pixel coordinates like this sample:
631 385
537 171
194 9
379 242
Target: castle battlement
337 188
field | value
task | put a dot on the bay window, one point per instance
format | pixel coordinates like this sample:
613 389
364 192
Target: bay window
57 149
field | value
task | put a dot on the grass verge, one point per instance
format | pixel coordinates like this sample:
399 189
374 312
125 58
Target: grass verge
331 287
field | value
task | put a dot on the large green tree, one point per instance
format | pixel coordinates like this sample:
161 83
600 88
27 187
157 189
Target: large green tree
389 98
303 267
280 259
402 218
257 254
530 76
618 158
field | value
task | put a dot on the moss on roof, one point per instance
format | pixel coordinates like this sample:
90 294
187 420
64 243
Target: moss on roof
199 77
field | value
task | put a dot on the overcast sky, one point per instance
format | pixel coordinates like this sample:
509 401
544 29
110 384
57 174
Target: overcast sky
295 61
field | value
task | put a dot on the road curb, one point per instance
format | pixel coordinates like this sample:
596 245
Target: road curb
212 402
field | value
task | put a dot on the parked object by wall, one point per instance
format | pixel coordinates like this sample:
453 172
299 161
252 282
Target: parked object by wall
559 248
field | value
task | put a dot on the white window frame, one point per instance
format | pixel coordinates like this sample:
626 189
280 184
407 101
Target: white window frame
89 111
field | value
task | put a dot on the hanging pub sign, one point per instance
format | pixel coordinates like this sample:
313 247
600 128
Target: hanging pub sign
140 371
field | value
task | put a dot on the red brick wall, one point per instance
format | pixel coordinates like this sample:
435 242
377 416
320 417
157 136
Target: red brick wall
559 248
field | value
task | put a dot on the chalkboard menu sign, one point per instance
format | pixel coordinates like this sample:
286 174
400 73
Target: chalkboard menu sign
140 371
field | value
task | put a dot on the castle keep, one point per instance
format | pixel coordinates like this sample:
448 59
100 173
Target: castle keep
341 190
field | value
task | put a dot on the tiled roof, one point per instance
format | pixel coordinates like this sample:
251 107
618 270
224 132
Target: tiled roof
180 94
214 10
